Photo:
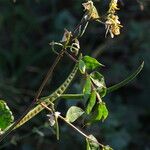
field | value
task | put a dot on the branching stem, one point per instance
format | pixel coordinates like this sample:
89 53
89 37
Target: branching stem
74 127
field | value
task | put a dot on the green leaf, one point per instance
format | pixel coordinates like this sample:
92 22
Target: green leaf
92 143
96 115
91 102
127 80
107 147
6 117
104 111
87 88
91 63
87 145
99 81
74 113
82 66
100 112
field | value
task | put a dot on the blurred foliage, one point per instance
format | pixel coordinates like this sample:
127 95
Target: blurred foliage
26 28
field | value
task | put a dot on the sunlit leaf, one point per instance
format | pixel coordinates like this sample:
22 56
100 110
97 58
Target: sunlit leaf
99 81
91 63
91 102
74 113
6 117
92 143
87 145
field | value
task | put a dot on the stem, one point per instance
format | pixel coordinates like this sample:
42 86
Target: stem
45 106
49 74
74 127
62 118
70 56
38 93
78 130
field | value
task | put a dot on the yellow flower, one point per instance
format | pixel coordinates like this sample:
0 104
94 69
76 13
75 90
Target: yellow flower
112 23
113 6
91 11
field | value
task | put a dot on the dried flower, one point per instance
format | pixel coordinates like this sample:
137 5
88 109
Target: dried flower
91 11
52 117
113 6
112 23
66 37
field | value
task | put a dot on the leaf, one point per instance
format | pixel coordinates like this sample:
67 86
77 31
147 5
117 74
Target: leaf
104 111
107 147
6 117
87 145
91 63
96 115
91 102
127 80
100 112
92 143
87 88
99 81
82 66
74 113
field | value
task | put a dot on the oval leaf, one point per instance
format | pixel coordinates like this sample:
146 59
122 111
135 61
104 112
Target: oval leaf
6 117
91 63
74 113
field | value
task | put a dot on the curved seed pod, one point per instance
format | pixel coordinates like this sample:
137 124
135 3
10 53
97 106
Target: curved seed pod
55 95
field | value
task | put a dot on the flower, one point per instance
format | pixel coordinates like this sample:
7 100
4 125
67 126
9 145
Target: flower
112 23
52 118
66 37
113 6
91 11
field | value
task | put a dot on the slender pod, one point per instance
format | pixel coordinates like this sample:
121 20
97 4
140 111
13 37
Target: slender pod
55 95
47 100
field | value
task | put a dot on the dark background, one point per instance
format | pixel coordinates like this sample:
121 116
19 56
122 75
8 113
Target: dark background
26 28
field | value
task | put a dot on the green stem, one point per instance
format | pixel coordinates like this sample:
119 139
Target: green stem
109 89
